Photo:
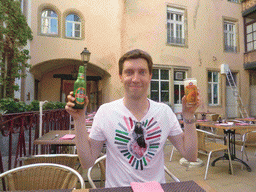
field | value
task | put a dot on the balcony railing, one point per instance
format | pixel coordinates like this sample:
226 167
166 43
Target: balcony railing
18 131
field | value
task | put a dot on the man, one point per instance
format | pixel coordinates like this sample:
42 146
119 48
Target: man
134 128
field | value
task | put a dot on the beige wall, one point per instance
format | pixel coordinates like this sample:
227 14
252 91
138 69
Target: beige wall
101 37
113 27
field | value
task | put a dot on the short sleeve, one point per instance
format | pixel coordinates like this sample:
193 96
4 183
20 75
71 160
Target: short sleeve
97 132
175 128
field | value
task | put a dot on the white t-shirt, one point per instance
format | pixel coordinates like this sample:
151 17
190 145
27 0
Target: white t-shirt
127 162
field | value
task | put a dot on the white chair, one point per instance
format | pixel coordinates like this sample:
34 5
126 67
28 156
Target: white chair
42 176
101 162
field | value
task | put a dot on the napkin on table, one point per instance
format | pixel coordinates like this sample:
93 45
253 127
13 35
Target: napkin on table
242 124
68 137
152 186
202 120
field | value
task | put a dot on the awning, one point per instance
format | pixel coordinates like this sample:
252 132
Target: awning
250 66
249 11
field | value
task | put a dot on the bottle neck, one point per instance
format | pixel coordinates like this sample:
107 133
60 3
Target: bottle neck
80 76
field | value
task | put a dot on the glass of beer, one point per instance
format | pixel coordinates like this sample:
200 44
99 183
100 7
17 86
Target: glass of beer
190 85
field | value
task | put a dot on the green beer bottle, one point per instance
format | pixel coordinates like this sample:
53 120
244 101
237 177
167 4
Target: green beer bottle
80 89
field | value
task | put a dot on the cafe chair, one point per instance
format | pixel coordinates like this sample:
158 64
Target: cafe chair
70 160
100 162
207 147
41 176
248 139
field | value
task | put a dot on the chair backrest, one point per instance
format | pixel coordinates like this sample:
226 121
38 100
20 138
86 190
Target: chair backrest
201 140
41 176
101 162
70 160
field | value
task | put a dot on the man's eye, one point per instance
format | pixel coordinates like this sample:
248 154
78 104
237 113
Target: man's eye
128 72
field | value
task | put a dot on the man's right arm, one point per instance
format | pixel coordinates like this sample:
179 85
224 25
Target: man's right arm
88 149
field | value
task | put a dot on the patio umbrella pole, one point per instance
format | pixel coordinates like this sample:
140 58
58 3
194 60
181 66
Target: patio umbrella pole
41 103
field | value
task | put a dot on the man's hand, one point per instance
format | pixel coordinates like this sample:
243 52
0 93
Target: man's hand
188 112
75 113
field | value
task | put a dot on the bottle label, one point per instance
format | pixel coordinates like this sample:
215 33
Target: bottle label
80 95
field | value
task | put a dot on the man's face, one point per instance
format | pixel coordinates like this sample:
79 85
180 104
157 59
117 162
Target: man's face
136 78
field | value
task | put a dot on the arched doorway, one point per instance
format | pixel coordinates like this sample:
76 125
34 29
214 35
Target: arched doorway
56 79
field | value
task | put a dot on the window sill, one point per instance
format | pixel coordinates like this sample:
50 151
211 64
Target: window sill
49 35
177 45
73 38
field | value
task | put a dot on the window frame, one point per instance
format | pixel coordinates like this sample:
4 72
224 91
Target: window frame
230 36
176 11
234 1
73 26
159 80
43 7
211 84
50 19
253 32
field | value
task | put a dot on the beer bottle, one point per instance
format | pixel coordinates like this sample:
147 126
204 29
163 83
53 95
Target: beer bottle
80 89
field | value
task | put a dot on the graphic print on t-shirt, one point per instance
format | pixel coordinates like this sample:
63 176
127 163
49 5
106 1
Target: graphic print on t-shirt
137 156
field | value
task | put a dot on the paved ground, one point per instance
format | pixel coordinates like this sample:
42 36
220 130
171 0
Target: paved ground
218 177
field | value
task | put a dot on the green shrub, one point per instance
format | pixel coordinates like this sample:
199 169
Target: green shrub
8 105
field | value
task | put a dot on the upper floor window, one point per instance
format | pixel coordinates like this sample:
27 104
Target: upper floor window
73 26
213 88
250 37
235 1
49 22
175 26
230 36
159 88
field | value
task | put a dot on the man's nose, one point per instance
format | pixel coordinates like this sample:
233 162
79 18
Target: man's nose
136 76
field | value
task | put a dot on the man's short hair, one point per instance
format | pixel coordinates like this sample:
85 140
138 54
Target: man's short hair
135 54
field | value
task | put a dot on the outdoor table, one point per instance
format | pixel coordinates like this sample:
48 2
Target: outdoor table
229 131
53 138
246 119
198 186
174 186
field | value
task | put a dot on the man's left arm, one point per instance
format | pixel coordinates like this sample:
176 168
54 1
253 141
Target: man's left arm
186 142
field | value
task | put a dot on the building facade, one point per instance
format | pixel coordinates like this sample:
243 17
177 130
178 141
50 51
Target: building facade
184 38
249 16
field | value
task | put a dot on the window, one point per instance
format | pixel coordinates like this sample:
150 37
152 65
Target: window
22 5
234 1
159 89
49 22
73 26
213 88
251 37
179 76
175 26
230 36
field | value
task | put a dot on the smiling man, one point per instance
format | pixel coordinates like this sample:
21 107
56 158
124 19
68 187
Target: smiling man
134 128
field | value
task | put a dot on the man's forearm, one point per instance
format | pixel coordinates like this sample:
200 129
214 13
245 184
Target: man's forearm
85 150
190 141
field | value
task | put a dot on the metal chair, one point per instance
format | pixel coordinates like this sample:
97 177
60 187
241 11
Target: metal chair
248 139
41 176
101 163
70 160
208 147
